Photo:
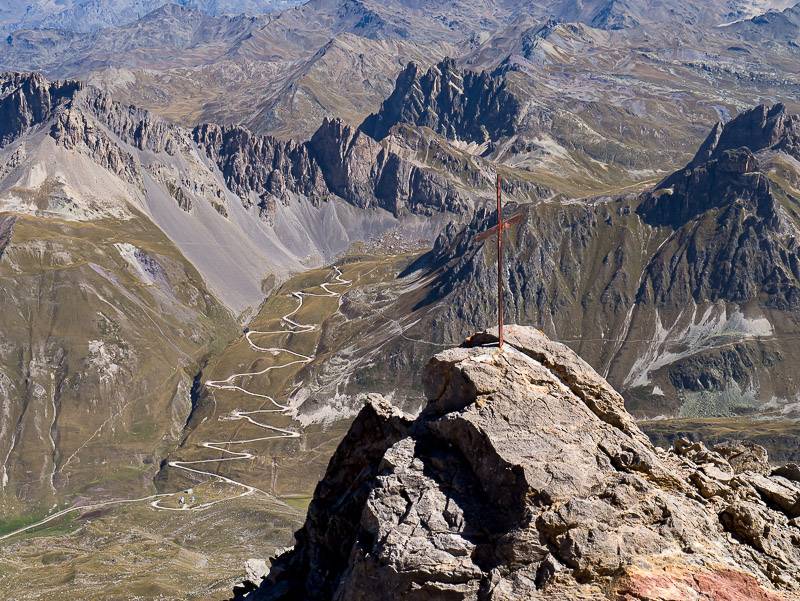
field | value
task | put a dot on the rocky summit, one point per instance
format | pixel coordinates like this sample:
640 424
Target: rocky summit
524 477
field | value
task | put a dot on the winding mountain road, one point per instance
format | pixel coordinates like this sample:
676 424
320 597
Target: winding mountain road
294 327
228 383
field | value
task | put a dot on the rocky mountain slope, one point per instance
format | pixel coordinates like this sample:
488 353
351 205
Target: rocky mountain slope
469 106
84 16
280 75
579 78
699 276
774 27
269 206
102 337
525 478
625 14
155 239
684 296
161 232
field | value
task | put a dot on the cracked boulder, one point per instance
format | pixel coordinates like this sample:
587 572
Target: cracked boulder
525 478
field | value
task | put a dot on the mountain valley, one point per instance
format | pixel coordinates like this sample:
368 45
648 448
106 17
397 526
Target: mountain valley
227 227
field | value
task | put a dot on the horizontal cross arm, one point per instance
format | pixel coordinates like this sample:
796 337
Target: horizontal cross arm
507 223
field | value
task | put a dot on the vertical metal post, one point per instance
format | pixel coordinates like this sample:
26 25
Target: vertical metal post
499 265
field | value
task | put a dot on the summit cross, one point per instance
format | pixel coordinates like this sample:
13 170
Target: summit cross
502 224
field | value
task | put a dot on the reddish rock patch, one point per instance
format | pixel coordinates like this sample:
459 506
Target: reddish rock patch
714 585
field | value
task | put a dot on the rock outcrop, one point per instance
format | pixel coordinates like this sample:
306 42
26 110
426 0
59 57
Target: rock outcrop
342 160
6 231
458 104
27 100
761 128
260 169
525 478
371 174
731 241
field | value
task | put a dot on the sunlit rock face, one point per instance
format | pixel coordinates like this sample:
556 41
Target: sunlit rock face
525 478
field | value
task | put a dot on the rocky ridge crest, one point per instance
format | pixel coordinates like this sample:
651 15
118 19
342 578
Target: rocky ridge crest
458 104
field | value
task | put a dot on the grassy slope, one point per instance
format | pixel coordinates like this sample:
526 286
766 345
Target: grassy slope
102 362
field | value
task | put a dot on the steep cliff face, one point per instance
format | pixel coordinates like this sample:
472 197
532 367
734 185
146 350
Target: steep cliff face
460 105
261 169
525 478
730 240
27 100
405 174
371 174
761 128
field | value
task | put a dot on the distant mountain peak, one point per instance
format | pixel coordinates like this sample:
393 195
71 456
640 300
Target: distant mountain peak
86 16
760 128
456 103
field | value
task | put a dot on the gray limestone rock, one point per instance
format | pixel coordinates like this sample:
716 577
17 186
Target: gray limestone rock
459 104
745 456
525 478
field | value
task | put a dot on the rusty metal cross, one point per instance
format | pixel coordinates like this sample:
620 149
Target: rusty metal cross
502 224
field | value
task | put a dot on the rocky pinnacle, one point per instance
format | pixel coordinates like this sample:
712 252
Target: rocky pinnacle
524 477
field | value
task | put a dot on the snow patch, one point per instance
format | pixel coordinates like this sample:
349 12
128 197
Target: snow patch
719 324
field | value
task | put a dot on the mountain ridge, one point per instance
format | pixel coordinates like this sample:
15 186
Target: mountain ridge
682 295
86 16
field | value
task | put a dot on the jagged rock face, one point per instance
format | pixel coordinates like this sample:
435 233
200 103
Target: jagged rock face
137 127
348 160
72 130
714 184
525 478
758 129
260 164
340 160
369 174
27 100
730 241
462 105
